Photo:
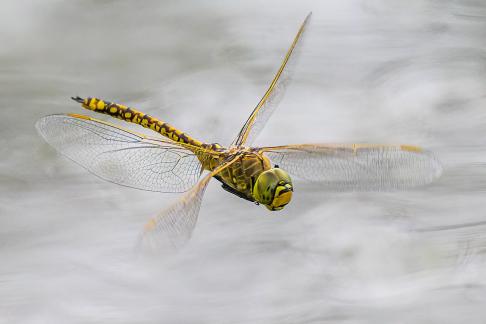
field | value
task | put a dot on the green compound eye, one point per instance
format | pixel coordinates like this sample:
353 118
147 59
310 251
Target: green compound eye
273 188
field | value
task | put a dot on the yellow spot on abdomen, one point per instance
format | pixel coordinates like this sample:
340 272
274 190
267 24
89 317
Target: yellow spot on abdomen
92 104
100 105
113 110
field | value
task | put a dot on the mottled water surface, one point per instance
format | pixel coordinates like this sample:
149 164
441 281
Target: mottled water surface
371 71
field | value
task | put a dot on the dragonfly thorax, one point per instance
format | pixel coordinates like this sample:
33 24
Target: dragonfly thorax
251 177
240 177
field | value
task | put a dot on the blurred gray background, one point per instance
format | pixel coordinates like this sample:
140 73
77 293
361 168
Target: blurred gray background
371 71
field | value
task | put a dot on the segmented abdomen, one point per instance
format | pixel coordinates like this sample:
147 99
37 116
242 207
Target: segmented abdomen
134 116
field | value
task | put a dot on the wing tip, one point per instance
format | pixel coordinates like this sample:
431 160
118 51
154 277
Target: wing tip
39 126
307 18
411 148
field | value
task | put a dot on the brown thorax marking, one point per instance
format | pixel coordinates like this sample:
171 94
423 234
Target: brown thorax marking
242 174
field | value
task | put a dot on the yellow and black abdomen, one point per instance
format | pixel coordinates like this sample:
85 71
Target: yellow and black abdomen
134 116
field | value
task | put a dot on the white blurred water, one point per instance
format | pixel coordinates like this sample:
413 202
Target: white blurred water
371 71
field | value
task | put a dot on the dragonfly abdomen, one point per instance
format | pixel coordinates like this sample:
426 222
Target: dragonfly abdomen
137 117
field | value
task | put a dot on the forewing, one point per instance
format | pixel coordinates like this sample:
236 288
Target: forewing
121 156
272 97
362 167
172 228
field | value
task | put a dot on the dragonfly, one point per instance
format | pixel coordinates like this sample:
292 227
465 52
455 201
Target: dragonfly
176 161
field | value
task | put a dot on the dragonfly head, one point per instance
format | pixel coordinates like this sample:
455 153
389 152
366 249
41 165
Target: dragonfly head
273 188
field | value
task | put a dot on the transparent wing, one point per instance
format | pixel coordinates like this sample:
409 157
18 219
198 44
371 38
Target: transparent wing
121 156
274 94
173 227
372 167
